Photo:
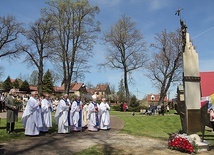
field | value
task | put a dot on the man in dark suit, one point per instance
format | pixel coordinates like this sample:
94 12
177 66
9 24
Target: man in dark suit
12 111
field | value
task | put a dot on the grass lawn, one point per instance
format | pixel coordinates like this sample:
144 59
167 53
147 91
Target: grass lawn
156 126
4 137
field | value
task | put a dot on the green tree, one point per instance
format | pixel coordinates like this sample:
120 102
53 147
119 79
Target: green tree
121 92
16 83
48 82
7 84
25 86
134 102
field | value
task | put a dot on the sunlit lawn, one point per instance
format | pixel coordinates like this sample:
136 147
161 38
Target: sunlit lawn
4 137
156 126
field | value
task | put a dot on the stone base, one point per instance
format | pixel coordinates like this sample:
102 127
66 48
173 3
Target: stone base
202 146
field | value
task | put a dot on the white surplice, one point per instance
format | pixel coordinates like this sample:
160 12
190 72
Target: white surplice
76 112
32 118
47 109
105 116
63 116
94 120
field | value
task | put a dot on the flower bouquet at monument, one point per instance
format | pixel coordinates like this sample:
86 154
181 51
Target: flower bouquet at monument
182 142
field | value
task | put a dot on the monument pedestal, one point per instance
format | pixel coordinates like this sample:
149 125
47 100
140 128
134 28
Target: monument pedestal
193 121
192 92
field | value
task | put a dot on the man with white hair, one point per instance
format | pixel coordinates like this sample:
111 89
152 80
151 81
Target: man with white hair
76 112
93 110
32 117
12 111
105 116
63 115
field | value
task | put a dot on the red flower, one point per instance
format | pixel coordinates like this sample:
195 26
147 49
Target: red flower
181 143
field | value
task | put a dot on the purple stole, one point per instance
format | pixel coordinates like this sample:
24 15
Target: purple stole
69 122
80 115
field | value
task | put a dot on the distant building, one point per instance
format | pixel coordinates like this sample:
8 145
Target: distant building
33 88
102 90
154 99
75 89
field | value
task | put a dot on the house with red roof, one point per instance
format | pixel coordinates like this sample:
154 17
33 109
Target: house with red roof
102 90
154 99
75 88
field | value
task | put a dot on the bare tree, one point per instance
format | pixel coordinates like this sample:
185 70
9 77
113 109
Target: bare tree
10 30
33 78
1 71
39 46
55 76
75 30
165 65
89 85
126 49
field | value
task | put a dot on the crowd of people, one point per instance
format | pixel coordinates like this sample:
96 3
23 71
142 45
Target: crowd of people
69 115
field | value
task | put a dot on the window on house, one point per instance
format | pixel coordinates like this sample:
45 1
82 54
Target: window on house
152 97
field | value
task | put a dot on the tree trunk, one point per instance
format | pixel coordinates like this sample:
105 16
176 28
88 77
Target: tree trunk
126 87
40 82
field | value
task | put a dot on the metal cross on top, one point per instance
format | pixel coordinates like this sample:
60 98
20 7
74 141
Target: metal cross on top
178 12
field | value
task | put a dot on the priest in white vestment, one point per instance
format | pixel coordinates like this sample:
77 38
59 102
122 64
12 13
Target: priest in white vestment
47 108
32 118
105 116
63 115
93 110
76 112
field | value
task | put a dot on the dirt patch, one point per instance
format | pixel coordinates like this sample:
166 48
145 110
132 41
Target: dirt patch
61 144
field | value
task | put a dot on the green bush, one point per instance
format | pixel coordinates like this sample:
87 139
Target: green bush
135 109
116 108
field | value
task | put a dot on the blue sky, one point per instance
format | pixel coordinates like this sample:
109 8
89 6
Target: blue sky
151 17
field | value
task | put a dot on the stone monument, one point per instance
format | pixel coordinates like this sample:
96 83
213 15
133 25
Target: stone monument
191 83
